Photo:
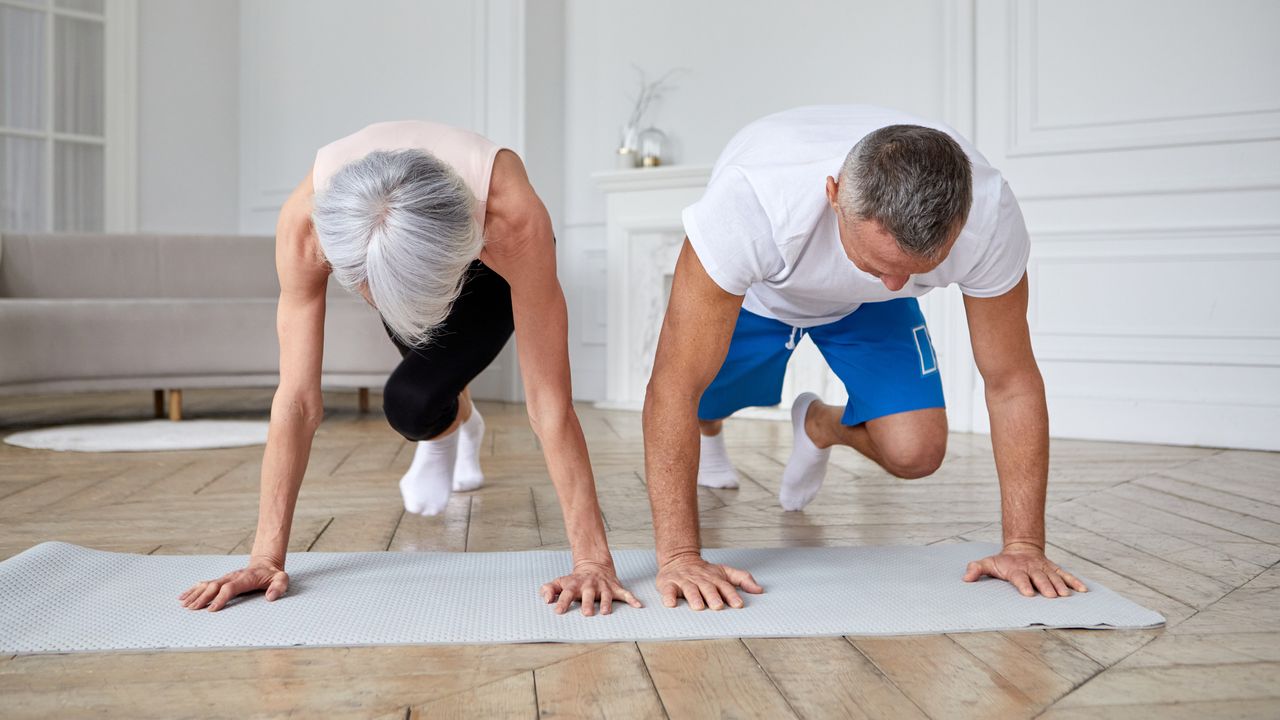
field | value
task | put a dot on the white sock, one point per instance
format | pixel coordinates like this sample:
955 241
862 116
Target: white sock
807 466
714 468
426 486
466 473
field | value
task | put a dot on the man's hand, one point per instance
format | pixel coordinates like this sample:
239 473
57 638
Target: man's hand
588 581
703 584
259 575
1025 566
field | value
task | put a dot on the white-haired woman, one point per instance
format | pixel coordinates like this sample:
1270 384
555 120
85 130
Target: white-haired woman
439 229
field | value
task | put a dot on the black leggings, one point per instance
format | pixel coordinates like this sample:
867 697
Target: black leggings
421 396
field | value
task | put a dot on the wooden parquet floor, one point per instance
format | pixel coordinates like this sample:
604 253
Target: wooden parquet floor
1193 533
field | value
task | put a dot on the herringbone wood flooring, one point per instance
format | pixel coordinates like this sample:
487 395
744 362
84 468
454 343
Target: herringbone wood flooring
1193 533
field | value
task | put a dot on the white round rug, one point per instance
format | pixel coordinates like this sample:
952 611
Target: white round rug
144 436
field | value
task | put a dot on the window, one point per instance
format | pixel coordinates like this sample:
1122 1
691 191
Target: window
67 78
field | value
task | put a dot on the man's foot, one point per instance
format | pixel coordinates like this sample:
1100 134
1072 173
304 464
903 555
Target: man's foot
807 466
428 483
466 472
714 468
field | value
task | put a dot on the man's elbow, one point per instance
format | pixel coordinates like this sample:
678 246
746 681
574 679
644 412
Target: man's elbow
1014 382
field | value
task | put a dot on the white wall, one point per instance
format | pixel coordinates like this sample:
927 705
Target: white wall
312 71
744 59
188 116
1148 170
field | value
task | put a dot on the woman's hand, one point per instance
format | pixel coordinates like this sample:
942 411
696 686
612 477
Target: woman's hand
587 582
259 575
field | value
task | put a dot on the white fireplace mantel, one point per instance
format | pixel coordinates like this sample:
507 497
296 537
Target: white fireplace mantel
643 238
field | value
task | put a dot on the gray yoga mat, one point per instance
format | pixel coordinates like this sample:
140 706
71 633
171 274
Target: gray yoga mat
58 597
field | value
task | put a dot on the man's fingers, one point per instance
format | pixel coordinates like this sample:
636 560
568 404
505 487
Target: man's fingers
742 579
669 594
692 596
1043 584
550 591
1022 581
588 599
977 569
568 593
711 595
606 600
1059 584
1072 581
626 595
731 596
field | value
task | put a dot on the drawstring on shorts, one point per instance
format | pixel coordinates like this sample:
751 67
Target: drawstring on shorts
791 342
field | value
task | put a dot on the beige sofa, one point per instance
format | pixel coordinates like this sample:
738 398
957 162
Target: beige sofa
114 312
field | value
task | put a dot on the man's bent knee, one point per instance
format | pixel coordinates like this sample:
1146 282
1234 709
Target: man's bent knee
914 462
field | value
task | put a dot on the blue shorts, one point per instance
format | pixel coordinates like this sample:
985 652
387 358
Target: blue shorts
881 352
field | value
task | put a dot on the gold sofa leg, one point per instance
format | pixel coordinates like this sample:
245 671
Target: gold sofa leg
159 399
364 400
175 405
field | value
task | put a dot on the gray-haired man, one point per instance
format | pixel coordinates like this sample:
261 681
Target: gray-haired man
771 257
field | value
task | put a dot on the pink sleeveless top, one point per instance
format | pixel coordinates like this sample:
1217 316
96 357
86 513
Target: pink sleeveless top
470 155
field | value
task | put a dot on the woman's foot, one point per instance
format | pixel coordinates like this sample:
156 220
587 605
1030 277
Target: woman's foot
807 466
429 481
466 471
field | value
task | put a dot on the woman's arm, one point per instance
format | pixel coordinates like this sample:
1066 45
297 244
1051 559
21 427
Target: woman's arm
521 248
296 408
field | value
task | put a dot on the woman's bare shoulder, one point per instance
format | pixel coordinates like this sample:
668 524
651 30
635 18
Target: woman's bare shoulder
514 211
299 259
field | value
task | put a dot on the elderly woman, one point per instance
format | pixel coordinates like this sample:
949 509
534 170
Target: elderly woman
439 229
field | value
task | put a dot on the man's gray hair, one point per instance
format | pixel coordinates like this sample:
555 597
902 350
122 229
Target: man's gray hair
400 225
915 181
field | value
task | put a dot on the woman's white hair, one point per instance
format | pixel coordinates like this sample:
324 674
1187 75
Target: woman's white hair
401 226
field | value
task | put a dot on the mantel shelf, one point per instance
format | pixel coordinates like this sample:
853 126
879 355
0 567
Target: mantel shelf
659 178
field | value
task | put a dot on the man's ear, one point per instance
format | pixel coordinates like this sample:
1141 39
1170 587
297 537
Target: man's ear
833 192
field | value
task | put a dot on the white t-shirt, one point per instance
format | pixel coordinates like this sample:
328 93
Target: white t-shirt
763 227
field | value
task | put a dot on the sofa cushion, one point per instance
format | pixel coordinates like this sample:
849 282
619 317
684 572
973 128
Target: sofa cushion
82 339
138 266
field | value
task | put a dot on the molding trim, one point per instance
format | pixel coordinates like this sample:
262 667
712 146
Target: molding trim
1031 137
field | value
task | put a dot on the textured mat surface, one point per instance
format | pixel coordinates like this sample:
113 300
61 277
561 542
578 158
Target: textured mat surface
144 436
58 597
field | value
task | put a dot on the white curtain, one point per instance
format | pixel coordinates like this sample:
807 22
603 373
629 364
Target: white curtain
76 86
22 80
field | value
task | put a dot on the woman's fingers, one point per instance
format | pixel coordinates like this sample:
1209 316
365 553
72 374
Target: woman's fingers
278 586
210 590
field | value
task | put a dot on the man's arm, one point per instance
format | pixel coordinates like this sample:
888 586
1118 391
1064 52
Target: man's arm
695 338
1020 437
524 254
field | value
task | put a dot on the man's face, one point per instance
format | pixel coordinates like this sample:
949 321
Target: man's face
875 252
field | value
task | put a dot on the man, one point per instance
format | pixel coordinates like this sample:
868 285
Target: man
772 255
